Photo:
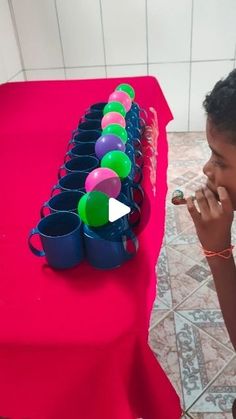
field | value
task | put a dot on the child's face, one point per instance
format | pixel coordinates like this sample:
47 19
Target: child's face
221 167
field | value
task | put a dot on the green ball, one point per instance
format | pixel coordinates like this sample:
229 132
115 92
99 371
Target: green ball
93 208
117 161
117 130
114 107
124 87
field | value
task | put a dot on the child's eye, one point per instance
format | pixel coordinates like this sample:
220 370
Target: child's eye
218 163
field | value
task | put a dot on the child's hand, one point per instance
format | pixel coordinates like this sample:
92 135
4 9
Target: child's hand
213 222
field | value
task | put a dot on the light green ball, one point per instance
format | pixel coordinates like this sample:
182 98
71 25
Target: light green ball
93 209
117 161
127 88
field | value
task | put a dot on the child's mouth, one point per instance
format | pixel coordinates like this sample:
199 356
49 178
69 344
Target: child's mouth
214 192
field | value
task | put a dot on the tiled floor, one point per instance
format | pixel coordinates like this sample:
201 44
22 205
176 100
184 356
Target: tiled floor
187 332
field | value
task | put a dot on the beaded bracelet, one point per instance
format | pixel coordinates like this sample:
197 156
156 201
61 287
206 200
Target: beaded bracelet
225 254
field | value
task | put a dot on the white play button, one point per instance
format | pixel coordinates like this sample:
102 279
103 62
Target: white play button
117 209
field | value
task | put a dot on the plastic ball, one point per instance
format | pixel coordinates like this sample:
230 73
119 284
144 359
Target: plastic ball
117 161
93 209
122 97
124 87
118 130
104 180
114 107
107 143
113 118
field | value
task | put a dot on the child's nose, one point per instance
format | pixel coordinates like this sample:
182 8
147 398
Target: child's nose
207 170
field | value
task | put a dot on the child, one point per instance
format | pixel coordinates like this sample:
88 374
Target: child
217 200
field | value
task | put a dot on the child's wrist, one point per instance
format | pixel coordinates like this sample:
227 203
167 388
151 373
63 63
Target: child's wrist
226 253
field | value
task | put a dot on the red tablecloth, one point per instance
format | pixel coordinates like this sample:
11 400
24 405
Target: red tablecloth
73 344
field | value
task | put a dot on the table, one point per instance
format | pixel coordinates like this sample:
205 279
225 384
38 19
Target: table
73 344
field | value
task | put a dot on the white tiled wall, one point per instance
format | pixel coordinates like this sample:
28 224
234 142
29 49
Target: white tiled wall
187 44
10 64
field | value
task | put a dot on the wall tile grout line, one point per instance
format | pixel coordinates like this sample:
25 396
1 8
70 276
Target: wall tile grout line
13 18
120 65
60 37
235 56
190 66
103 38
16 74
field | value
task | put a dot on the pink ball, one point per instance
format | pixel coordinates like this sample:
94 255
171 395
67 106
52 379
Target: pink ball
113 118
122 97
104 180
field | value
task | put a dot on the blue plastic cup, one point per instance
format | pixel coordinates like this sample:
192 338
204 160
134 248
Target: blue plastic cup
137 121
87 135
64 201
79 164
83 138
61 238
93 116
83 149
99 106
107 247
86 126
94 125
71 182
140 112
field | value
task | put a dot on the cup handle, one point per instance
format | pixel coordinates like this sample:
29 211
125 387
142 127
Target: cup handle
139 155
55 187
69 144
145 114
141 193
128 234
82 119
66 156
33 249
60 171
142 122
74 133
134 207
138 171
137 144
45 205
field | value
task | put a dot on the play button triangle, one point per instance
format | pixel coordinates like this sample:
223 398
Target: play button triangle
117 209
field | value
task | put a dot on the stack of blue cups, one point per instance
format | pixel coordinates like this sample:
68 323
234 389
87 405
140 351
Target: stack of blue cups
66 240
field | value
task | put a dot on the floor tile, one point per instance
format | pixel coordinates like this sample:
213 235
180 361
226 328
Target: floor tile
189 356
202 308
178 276
177 221
216 401
160 310
188 244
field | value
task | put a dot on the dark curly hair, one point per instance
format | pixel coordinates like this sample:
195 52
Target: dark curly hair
220 106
